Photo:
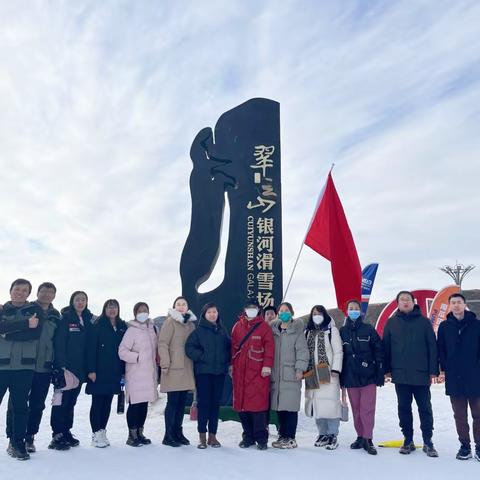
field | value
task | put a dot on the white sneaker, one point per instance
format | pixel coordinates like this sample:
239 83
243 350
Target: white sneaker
289 443
98 441
104 437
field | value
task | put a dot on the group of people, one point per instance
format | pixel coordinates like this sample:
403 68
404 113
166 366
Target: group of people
269 355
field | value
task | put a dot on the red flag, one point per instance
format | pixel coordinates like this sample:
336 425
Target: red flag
330 236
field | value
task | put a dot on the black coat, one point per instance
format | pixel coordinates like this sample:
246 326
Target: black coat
459 354
208 346
362 355
410 348
70 342
102 357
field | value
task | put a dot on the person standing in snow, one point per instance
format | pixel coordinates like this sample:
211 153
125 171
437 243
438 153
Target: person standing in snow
43 368
253 350
291 360
105 368
208 346
177 369
362 372
21 324
138 349
411 362
322 382
459 354
70 343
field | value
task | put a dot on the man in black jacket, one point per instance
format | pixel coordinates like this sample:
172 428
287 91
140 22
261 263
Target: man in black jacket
411 362
459 354
20 327
43 368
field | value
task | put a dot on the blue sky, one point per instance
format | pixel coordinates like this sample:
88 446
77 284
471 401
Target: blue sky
100 101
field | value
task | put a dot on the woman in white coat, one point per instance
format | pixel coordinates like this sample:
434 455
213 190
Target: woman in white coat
322 379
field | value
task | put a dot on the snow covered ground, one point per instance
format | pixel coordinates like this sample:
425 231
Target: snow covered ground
158 461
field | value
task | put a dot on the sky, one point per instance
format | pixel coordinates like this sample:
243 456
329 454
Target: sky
100 101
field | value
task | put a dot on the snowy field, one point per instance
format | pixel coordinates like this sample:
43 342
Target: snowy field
230 462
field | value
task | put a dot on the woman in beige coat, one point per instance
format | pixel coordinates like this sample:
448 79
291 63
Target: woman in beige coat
177 369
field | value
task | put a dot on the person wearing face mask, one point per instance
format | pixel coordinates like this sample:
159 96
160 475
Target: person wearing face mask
291 360
177 369
138 349
70 344
362 372
322 383
208 346
105 368
253 351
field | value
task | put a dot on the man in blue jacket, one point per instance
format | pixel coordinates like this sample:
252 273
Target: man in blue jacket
459 354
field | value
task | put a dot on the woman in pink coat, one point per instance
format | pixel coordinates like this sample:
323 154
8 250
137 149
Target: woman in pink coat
138 350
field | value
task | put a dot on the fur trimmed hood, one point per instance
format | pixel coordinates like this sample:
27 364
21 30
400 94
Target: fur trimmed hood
177 316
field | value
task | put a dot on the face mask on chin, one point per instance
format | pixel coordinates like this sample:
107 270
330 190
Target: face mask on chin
142 317
251 313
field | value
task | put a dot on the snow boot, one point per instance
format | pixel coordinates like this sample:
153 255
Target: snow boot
133 440
58 442
202 443
212 441
142 437
19 451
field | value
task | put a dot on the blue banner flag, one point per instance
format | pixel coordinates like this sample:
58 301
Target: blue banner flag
368 278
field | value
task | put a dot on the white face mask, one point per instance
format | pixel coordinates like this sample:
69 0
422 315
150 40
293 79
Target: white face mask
317 319
142 317
251 312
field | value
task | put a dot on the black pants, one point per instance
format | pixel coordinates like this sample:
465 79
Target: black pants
209 392
288 424
18 383
100 411
405 394
254 426
36 404
61 418
136 415
174 412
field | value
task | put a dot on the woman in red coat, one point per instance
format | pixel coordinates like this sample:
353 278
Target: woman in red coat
252 361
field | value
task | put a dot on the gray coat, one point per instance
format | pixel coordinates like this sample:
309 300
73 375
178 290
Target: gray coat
291 356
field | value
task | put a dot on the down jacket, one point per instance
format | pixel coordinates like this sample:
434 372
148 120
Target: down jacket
250 389
138 349
291 357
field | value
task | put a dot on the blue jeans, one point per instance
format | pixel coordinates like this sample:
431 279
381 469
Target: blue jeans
327 426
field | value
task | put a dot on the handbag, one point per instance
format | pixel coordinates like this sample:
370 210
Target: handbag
194 408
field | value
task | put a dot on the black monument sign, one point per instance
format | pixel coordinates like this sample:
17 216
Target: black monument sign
241 158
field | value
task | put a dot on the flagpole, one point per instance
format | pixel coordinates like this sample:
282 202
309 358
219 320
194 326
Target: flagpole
305 236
